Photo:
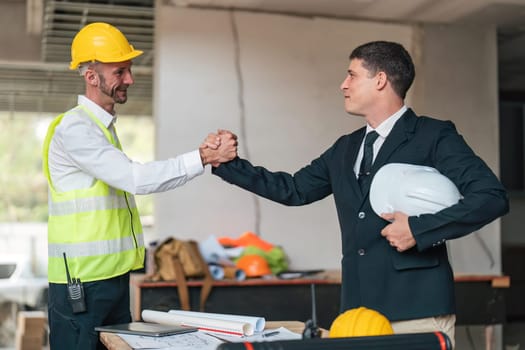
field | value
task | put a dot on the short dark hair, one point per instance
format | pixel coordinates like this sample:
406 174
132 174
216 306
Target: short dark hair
391 58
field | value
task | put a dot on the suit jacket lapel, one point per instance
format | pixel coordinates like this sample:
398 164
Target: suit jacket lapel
401 132
354 142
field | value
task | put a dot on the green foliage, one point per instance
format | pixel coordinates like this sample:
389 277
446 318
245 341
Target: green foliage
23 186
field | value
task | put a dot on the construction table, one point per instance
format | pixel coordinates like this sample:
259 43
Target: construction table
113 342
480 298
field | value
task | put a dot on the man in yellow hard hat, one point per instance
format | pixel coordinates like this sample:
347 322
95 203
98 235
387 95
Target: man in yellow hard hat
94 232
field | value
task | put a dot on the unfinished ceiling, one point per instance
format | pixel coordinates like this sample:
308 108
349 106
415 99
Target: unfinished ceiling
48 85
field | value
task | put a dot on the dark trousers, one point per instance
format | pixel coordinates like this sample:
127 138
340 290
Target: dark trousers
107 302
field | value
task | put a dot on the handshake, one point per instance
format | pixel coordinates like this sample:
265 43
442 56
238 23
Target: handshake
218 148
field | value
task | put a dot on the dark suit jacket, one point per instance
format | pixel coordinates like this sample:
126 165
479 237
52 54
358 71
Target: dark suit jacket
419 282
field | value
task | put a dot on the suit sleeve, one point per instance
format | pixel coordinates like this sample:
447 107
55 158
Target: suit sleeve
307 185
484 197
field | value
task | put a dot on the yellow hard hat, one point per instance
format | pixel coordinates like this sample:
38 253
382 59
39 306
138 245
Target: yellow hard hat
101 42
360 322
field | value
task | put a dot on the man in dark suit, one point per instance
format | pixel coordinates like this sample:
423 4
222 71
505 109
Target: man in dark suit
392 263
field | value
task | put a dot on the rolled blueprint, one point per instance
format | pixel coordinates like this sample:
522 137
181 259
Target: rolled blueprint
257 323
233 272
204 323
219 272
216 271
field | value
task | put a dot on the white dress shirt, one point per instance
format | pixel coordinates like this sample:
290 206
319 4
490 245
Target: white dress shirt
383 130
80 153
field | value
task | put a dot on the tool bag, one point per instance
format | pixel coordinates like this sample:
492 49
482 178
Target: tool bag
178 260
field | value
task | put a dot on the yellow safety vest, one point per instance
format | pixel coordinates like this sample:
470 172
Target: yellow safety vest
98 228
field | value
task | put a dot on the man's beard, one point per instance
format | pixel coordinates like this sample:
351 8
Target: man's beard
112 92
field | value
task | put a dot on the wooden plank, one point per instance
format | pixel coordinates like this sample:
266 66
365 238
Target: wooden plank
328 277
497 281
113 341
501 282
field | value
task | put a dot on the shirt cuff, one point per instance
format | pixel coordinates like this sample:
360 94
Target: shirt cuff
193 163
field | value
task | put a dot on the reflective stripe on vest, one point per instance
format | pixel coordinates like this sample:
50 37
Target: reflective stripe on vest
98 228
112 201
76 250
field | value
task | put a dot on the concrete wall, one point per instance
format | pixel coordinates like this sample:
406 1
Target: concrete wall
290 69
16 44
274 80
458 65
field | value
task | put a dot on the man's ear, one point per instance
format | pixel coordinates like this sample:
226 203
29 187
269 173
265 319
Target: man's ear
381 80
91 77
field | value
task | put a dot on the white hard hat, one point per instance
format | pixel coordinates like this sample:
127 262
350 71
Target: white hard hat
411 189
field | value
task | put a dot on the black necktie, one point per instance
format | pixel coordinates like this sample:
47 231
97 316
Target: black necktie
366 162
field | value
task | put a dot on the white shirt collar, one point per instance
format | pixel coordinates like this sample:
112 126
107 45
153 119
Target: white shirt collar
386 126
99 112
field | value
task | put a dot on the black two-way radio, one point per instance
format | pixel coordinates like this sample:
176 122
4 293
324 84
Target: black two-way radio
311 330
75 292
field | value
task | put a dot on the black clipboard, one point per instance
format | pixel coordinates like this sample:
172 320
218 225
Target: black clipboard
146 328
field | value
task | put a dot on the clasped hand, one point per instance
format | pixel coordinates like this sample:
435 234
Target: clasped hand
218 148
398 233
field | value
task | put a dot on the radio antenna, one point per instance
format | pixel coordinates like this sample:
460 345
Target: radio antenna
67 269
314 312
311 330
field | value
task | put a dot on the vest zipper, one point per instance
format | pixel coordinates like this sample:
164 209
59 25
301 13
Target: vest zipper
131 219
